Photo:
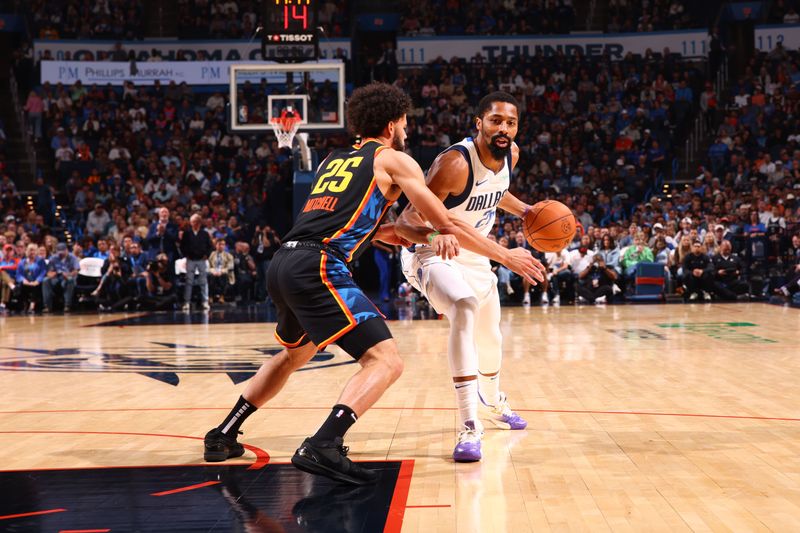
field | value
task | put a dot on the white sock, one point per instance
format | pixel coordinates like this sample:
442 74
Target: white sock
490 388
462 357
467 400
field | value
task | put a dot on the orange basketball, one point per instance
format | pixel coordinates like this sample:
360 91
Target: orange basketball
549 226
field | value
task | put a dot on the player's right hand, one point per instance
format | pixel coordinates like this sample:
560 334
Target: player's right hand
521 261
445 246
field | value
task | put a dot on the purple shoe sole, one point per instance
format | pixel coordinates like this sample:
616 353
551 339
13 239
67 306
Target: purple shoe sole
467 452
515 421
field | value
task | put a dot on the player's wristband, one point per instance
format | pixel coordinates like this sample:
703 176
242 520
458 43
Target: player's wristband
526 211
432 235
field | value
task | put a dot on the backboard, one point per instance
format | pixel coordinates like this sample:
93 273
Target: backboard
263 91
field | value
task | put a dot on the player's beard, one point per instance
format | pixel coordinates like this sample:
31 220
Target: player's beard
499 152
397 142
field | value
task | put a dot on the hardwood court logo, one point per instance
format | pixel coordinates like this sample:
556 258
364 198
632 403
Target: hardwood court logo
158 360
723 331
637 334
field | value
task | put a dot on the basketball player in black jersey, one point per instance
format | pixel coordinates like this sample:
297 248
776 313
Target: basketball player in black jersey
317 301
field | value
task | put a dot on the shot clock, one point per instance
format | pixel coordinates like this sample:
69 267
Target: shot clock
290 32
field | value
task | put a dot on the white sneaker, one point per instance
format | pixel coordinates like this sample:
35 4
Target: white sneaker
185 308
557 300
545 300
509 290
206 306
468 447
526 300
600 299
706 296
502 415
693 297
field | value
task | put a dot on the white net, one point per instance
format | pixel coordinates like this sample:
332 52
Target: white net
285 128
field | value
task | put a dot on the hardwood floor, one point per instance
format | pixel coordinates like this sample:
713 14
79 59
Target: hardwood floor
663 417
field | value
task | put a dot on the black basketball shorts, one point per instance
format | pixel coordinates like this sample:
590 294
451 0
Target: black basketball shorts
317 300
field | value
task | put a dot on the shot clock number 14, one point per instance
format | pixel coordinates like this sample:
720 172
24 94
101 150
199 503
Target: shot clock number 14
295 14
289 27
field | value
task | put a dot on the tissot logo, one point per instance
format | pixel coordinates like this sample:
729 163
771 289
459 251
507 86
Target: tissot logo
291 37
157 360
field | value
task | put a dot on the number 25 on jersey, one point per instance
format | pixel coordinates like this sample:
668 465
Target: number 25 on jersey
337 176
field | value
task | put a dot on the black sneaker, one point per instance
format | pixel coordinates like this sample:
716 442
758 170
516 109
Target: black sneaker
219 447
329 459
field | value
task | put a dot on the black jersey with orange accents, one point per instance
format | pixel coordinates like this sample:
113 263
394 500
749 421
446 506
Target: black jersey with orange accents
345 205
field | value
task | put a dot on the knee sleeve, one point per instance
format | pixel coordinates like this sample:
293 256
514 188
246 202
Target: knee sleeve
450 295
488 338
461 342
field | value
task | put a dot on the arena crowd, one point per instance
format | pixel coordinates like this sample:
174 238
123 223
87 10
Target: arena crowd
172 206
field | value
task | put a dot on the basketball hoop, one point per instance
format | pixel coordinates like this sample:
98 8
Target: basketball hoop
285 128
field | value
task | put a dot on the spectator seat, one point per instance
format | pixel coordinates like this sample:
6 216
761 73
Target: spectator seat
89 274
649 283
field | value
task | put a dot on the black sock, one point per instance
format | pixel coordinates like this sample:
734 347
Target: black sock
237 416
336 425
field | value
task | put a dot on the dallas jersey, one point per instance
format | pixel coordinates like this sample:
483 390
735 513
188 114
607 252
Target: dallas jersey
476 205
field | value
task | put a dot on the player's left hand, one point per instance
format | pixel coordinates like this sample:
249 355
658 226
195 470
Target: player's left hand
387 234
445 246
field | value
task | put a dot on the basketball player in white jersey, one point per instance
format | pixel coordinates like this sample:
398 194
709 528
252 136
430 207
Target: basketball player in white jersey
472 179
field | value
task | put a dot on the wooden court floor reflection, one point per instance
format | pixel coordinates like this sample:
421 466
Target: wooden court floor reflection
669 417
